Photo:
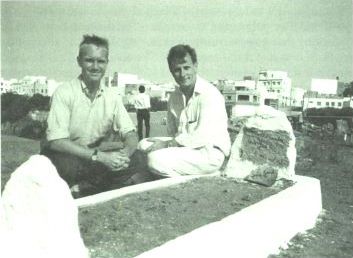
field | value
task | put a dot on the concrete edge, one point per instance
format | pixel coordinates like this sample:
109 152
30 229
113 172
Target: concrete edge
256 231
109 195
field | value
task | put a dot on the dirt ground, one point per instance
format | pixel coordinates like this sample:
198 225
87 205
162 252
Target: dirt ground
331 163
135 223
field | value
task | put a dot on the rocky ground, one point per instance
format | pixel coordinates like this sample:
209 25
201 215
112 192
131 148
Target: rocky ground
330 162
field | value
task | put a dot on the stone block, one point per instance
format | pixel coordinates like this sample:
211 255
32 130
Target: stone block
39 217
264 149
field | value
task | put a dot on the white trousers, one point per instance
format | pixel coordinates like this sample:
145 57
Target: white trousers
181 161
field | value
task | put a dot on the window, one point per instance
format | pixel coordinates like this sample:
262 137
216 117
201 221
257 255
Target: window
243 97
311 102
229 97
339 104
255 98
327 104
333 104
319 103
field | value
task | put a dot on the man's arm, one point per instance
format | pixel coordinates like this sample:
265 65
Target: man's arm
130 142
69 147
115 161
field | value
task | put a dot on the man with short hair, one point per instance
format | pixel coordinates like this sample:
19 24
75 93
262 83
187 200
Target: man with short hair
196 121
84 117
142 105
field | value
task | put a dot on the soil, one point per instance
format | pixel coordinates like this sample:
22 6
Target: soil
130 225
331 163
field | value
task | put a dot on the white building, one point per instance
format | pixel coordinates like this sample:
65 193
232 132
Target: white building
297 97
126 83
241 96
324 86
316 100
5 85
229 89
31 85
278 88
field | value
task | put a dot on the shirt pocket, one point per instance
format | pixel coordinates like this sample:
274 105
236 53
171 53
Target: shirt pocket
192 118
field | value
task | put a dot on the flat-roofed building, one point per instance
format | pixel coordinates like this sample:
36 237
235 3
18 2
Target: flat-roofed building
324 86
278 88
313 99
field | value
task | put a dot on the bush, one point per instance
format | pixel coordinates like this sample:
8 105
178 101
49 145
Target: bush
320 116
14 107
158 105
39 102
28 128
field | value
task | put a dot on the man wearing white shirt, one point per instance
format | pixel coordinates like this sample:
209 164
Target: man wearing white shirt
196 122
142 106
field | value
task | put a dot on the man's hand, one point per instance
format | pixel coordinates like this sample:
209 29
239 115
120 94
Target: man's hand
115 161
157 144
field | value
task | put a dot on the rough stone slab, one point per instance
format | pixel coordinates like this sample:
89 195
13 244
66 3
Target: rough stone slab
264 149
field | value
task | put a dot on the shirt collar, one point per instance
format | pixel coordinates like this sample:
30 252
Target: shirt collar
198 89
85 89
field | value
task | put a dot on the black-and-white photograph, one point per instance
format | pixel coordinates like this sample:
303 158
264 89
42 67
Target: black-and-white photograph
169 129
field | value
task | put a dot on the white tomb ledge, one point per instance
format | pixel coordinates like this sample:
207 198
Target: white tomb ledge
256 231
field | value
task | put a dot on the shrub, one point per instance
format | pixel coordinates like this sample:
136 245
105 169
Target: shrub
14 107
320 116
39 102
158 105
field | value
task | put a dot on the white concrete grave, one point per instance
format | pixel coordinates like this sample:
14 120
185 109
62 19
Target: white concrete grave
39 218
256 231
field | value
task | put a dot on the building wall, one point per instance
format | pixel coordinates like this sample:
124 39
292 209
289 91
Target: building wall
4 86
297 96
324 86
278 86
322 102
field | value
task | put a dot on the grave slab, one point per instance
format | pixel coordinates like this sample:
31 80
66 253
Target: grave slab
256 231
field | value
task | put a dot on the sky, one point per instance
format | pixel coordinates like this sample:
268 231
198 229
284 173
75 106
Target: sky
308 39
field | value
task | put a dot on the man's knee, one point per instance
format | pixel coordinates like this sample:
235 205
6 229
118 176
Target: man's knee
161 163
67 166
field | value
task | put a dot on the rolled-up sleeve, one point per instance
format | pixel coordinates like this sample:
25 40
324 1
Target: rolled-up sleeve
122 121
59 117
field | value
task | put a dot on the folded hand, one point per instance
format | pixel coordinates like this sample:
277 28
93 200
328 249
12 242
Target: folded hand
157 145
115 161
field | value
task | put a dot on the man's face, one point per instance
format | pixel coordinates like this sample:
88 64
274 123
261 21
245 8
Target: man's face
184 71
93 61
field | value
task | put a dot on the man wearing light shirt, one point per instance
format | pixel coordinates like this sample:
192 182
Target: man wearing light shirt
142 106
196 123
84 118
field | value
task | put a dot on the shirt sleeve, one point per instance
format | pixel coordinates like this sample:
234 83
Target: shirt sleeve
122 121
208 126
59 116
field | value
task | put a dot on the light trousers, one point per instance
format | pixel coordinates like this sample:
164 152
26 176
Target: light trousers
181 161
